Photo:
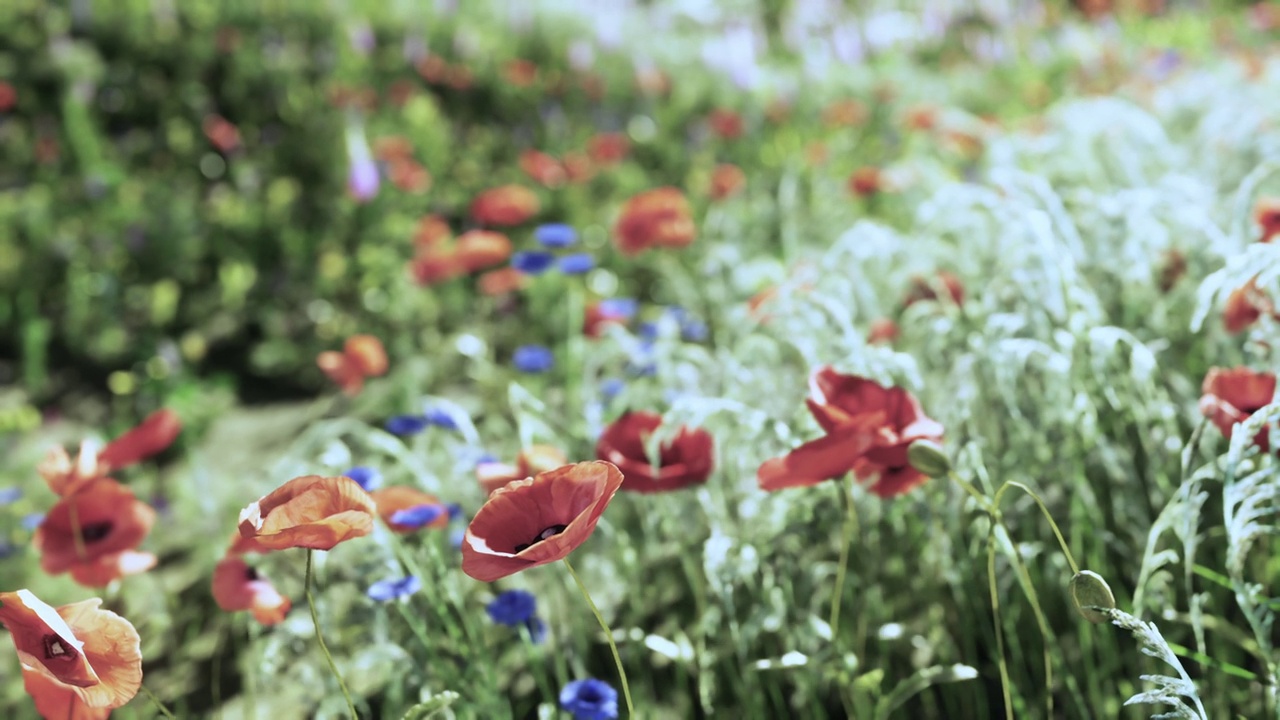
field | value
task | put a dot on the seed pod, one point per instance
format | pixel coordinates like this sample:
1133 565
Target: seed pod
929 458
1089 590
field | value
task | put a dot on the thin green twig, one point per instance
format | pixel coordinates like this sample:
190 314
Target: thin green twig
608 635
315 620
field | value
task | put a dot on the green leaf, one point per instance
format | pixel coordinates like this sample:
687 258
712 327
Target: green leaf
433 705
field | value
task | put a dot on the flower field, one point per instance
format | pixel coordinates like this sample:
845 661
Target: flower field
612 359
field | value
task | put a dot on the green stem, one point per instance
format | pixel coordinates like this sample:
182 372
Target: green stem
315 620
608 635
1058 533
156 701
850 529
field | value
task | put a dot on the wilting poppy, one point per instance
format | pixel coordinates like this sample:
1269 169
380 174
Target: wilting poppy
538 520
238 586
866 181
659 217
506 205
1244 306
923 289
308 512
683 461
395 502
81 649
479 249
1230 396
608 148
882 330
85 530
542 168
726 181
726 124
531 461
869 428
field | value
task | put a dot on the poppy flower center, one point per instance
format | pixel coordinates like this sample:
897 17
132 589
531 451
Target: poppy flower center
54 647
94 532
549 532
251 574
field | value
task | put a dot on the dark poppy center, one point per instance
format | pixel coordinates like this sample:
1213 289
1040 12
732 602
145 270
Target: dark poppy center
251 574
549 532
55 648
94 532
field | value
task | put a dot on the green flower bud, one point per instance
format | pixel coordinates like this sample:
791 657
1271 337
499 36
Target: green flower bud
1089 590
929 458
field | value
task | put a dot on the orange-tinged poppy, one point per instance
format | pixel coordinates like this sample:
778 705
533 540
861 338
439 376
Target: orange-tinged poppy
923 289
436 264
221 134
726 124
502 281
431 230
869 428
538 520
65 476
726 181
93 653
106 569
151 436
844 113
479 249
578 167
608 148
866 181
366 354
339 368
882 330
55 701
308 512
1230 396
503 206
238 586
399 498
1267 213
102 520
684 461
659 217
520 73
542 168
1244 306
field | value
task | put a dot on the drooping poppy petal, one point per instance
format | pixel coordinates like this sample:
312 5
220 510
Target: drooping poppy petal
101 520
151 436
91 652
827 457
104 570
686 460
1230 396
395 499
55 701
65 476
309 512
538 520
237 586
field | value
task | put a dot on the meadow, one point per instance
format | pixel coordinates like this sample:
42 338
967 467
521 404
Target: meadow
761 359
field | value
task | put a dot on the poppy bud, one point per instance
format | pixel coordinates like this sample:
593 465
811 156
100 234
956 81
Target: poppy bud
929 458
1088 591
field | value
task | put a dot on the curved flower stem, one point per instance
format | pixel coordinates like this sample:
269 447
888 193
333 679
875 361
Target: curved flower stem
608 635
850 529
315 620
156 701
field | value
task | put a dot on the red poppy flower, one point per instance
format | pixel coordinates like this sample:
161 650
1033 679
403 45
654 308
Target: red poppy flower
578 167
844 113
531 461
684 461
398 498
922 289
151 436
659 217
520 73
1244 306
883 330
85 532
237 586
869 428
479 249
409 175
8 97
392 148
608 148
436 264
866 181
432 230
506 205
726 180
1230 396
727 124
596 316
308 512
542 168
362 356
55 701
106 569
81 649
538 520
502 281
221 134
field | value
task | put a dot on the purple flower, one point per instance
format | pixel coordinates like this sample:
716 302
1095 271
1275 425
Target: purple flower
555 235
394 589
577 263
403 425
362 177
441 418
366 477
532 262
611 387
618 308
418 516
533 358
512 607
590 699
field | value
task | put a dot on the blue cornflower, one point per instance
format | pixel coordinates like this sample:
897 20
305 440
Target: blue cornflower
407 424
454 510
533 262
486 458
441 418
533 358
512 607
32 521
10 495
394 589
418 516
590 699
555 235
577 263
618 308
366 477
610 387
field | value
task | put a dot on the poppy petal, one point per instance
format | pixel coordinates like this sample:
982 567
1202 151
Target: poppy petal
815 461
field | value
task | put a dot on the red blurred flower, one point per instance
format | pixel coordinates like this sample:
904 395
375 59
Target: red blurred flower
237 586
578 167
77 659
479 249
922 117
8 97
844 113
436 264
726 124
1172 269
88 534
883 330
923 289
398 498
542 168
596 316
1267 212
433 69
520 73
538 520
409 175
726 180
222 134
155 433
869 428
608 148
1244 306
1230 396
308 512
362 357
866 181
685 460
659 217
506 205
431 230
502 281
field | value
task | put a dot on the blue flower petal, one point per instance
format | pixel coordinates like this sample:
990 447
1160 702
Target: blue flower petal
441 418
366 477
10 495
512 607
406 425
590 699
533 358
394 589
532 262
577 263
418 516
619 308
555 235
